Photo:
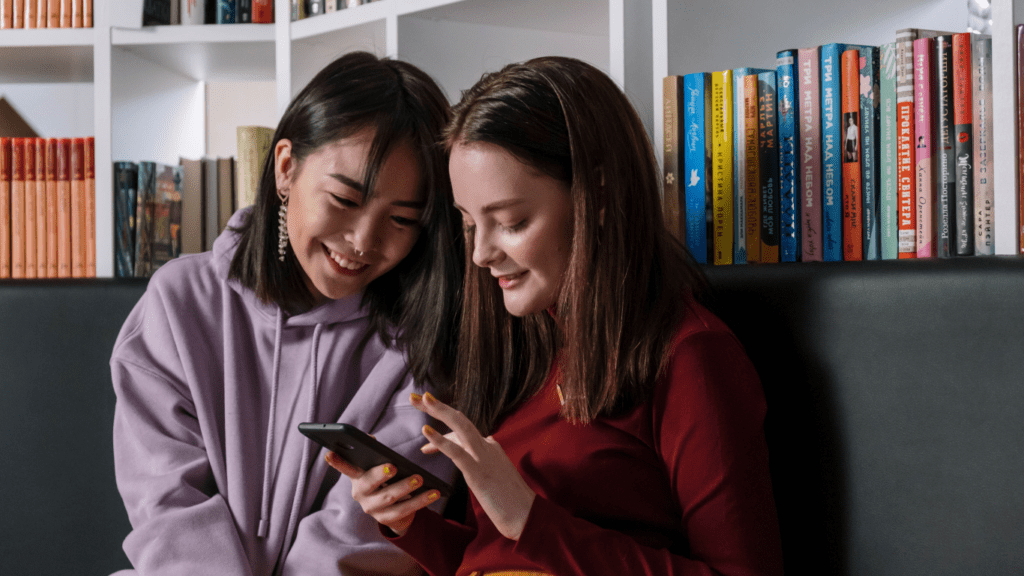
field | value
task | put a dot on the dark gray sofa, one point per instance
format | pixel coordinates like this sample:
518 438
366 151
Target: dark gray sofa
895 426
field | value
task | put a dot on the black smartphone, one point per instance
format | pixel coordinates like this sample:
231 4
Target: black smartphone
362 450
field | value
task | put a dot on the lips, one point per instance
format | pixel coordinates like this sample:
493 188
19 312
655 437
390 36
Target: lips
345 264
511 280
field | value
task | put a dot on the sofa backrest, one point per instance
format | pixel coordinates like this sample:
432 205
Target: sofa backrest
61 512
895 410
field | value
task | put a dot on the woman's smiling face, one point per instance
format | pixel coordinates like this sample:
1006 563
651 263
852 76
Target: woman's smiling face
519 220
342 240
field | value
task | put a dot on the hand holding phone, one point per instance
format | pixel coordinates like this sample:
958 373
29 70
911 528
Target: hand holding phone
360 449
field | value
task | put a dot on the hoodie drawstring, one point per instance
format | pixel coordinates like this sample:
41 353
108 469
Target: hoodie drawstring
261 531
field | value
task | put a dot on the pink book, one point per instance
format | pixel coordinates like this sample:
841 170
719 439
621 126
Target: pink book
923 169
809 106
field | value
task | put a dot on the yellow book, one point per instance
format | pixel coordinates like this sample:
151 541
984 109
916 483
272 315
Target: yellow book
721 165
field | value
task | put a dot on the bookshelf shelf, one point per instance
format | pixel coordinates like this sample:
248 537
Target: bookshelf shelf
46 63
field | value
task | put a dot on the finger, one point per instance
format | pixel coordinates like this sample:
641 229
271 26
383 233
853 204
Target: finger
431 449
391 494
405 508
465 432
462 459
372 481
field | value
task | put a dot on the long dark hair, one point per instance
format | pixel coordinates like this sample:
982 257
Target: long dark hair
416 300
628 278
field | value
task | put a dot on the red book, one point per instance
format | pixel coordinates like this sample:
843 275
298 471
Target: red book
1020 134
262 11
753 168
77 207
89 166
923 165
64 208
40 216
853 200
963 145
30 207
51 207
5 207
17 208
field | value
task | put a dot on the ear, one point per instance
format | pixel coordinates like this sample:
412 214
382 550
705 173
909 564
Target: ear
284 166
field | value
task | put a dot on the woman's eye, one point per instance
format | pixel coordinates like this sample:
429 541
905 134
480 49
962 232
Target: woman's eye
404 221
514 227
345 201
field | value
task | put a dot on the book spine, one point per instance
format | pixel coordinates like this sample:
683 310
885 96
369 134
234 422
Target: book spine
673 93
907 227
65 13
193 12
945 177
263 11
145 192
809 104
697 161
77 14
768 153
1020 135
89 165
6 21
5 206
64 208
721 165
739 165
870 160
853 234
888 173
963 145
984 191
752 171
18 17
87 14
831 137
226 11
125 179
18 208
53 14
40 214
31 18
789 157
243 11
924 173
52 208
77 208
30 207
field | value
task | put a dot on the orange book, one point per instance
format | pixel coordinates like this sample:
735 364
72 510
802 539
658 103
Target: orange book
5 207
90 206
42 13
17 208
30 207
77 15
63 208
65 13
31 18
40 207
753 168
18 10
77 178
853 208
53 13
6 13
51 208
87 14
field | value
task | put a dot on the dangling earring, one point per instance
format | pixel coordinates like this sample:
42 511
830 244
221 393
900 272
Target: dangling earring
282 227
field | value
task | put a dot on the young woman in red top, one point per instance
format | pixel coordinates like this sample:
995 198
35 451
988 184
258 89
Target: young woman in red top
604 421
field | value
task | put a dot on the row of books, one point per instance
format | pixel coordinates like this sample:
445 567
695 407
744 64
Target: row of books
47 207
193 12
45 13
306 8
162 211
842 152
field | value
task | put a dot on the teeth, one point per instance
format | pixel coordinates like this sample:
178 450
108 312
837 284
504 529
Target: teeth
345 262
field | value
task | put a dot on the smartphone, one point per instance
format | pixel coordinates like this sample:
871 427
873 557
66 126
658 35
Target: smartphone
362 450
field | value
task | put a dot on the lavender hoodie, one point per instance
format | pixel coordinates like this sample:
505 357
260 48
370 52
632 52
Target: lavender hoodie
211 385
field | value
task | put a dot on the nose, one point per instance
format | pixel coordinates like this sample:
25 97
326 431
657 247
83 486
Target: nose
485 252
366 233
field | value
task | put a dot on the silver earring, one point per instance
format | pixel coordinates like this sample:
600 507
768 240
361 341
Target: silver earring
282 227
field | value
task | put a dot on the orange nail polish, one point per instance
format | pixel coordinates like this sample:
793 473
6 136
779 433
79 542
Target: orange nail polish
428 430
415 397
414 483
429 398
433 496
387 470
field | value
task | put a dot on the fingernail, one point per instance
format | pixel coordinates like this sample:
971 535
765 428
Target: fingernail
428 430
387 470
415 482
433 496
429 398
415 397
327 457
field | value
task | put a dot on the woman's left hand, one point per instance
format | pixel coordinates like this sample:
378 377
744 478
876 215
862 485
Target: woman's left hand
494 480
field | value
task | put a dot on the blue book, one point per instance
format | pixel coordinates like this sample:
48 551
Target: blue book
768 158
887 143
789 157
831 140
126 176
739 162
870 150
226 11
697 161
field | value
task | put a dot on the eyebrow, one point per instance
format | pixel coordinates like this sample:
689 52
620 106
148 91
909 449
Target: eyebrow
358 187
494 206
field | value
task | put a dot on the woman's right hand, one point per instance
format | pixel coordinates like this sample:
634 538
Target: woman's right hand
388 504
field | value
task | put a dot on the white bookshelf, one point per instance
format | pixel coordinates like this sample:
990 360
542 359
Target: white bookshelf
144 92
703 37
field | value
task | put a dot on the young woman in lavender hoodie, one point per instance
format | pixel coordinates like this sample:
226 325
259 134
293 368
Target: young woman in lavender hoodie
331 299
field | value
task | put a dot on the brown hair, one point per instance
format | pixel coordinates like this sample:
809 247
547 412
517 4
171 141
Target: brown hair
627 280
416 300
